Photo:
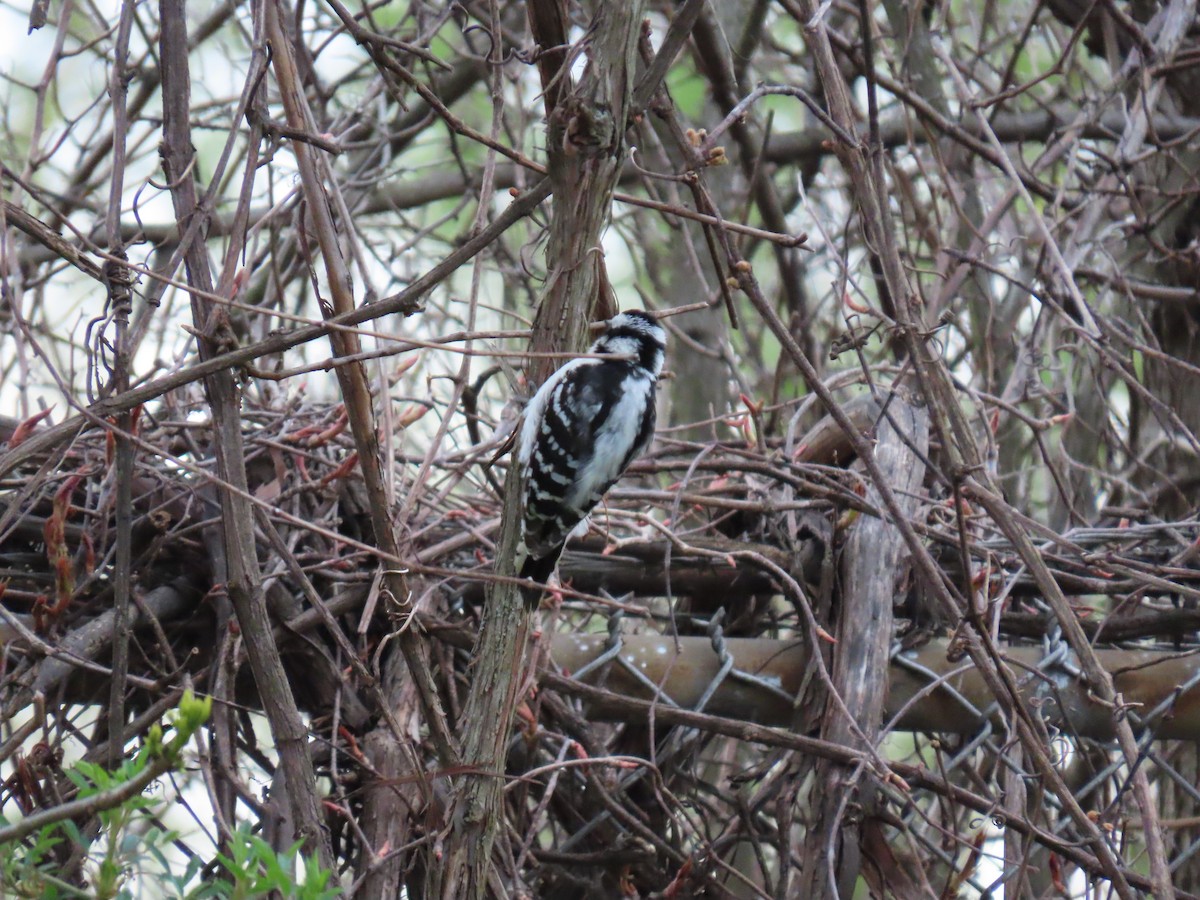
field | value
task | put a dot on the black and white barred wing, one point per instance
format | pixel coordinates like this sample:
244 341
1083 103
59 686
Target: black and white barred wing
581 431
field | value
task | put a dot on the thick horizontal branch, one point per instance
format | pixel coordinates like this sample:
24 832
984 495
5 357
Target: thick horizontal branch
927 692
1035 126
654 568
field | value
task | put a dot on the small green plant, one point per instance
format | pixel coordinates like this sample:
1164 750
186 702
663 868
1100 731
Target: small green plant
27 870
128 856
256 869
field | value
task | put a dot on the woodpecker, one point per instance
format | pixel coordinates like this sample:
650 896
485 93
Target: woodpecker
581 430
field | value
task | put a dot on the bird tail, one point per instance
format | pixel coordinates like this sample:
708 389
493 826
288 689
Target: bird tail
538 569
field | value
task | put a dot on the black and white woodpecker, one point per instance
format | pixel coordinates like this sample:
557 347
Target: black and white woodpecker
581 430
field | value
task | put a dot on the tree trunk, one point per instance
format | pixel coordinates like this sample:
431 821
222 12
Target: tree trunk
873 563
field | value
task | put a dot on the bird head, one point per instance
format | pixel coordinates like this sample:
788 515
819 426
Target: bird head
635 333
